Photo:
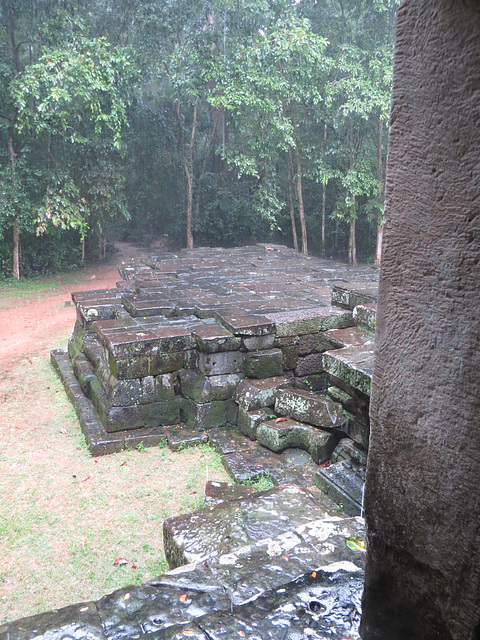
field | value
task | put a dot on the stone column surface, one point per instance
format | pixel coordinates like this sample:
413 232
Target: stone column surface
423 474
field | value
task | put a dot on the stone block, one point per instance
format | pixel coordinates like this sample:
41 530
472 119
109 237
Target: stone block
258 343
167 362
343 482
249 421
290 357
153 414
247 325
295 323
348 337
278 435
127 343
353 365
140 390
263 364
232 525
148 307
210 414
309 365
313 343
347 449
215 364
213 338
199 387
255 394
365 315
311 408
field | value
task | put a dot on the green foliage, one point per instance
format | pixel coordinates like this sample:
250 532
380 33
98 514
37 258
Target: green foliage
108 112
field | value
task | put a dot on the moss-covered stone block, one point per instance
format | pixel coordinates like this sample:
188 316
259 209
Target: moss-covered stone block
263 364
201 388
208 415
289 357
280 434
249 421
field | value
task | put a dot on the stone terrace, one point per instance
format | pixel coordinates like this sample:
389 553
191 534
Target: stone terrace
188 345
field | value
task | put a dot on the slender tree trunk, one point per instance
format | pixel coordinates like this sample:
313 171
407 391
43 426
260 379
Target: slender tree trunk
291 198
324 198
352 240
378 252
301 210
13 53
16 235
187 170
352 243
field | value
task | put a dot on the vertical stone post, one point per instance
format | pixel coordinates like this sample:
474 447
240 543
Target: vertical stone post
423 476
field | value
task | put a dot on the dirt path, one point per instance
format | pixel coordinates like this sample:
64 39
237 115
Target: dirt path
28 324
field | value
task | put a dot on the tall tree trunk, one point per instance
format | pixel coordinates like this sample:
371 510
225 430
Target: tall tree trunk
301 211
352 243
378 252
188 170
13 53
16 235
324 196
352 240
290 195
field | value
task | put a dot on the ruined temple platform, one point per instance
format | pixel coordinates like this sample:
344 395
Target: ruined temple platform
261 340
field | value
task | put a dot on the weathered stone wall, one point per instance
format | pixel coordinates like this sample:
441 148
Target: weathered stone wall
423 509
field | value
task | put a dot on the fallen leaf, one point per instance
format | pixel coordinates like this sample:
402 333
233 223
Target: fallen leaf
285 558
187 632
356 545
85 479
281 420
84 609
121 561
183 597
64 431
193 493
242 633
314 574
326 464
134 568
126 596
124 464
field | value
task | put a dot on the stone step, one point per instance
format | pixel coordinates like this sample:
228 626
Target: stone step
255 394
216 531
351 367
283 433
365 315
351 336
343 482
310 408
350 294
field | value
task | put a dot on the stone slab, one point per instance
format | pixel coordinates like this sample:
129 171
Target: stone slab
255 394
365 315
352 365
217 530
295 323
263 364
284 433
217 492
310 407
343 482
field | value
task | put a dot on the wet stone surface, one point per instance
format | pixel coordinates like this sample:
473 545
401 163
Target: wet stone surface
256 312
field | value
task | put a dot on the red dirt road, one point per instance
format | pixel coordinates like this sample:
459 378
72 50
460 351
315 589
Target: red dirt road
30 325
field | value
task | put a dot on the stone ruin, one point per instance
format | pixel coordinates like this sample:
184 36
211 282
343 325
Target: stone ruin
236 346
267 355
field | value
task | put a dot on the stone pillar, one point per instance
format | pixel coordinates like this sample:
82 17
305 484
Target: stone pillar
423 475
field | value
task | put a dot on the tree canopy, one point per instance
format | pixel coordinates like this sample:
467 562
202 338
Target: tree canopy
217 122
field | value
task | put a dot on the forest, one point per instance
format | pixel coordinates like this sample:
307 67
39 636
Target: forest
196 122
